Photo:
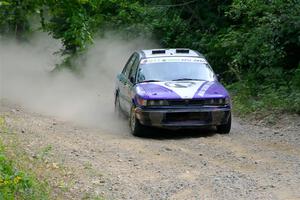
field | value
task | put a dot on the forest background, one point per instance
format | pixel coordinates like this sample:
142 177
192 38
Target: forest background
254 45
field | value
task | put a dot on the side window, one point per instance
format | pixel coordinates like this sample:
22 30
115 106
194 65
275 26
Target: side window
134 68
128 65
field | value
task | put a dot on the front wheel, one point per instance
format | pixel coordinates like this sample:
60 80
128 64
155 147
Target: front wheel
137 129
225 128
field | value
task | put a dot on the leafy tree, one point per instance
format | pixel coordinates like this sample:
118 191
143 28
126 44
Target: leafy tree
15 15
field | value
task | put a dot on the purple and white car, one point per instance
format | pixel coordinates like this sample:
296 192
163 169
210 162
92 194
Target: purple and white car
171 88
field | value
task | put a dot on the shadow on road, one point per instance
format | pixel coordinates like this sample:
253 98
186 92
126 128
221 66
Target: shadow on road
165 134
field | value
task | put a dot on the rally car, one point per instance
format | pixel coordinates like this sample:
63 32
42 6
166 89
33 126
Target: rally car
171 88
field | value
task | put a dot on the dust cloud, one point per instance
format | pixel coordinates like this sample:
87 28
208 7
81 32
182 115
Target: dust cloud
25 79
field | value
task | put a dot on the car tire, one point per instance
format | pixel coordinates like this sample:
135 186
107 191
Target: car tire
225 128
136 128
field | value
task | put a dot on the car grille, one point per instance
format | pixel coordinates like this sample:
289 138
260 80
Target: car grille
196 102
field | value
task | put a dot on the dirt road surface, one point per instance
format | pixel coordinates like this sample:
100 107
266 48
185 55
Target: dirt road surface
252 162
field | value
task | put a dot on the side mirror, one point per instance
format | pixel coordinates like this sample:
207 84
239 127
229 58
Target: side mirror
218 77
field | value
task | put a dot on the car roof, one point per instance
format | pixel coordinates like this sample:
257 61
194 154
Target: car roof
153 53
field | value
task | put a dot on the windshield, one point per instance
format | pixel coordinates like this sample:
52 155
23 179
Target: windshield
172 71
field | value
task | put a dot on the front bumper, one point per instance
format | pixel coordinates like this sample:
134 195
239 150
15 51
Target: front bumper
183 117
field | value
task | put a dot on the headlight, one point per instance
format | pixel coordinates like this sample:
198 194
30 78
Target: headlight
216 101
157 103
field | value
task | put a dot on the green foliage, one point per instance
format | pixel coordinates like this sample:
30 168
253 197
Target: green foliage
14 16
296 79
266 32
186 24
76 23
262 48
72 22
274 94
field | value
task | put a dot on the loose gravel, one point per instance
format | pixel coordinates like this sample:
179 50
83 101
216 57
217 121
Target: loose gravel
254 161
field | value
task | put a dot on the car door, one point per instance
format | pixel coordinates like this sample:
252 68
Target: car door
123 79
131 82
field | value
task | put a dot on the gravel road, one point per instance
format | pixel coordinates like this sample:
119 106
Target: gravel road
253 162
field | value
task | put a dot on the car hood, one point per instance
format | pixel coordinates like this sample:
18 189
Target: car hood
181 90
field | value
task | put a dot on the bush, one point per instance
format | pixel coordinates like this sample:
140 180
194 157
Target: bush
267 91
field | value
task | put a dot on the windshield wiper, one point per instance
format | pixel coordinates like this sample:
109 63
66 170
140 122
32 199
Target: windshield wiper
188 79
147 81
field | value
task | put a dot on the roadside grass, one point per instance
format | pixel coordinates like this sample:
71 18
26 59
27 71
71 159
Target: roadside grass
15 183
264 102
45 178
